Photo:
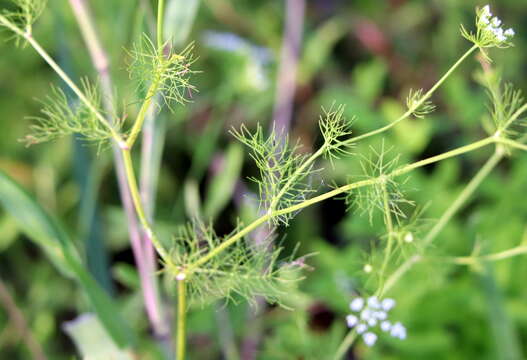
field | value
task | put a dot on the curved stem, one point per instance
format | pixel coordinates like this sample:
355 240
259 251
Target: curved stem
143 253
469 260
402 170
295 176
346 344
134 191
421 101
512 143
115 135
447 216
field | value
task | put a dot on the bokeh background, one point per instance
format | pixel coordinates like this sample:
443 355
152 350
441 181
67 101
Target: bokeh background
364 54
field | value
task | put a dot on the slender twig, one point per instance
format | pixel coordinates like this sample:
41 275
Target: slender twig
346 188
512 143
160 22
150 159
461 199
346 343
417 104
29 38
143 255
136 197
20 324
470 260
181 319
389 226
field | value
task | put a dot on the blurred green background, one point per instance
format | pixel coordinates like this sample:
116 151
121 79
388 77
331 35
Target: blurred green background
364 54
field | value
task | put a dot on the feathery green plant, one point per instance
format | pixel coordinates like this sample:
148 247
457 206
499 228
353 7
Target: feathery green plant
60 118
206 266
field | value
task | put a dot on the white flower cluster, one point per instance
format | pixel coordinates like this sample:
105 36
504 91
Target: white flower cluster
492 25
371 313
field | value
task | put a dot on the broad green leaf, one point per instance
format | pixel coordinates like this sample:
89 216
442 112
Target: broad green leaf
92 340
222 185
41 228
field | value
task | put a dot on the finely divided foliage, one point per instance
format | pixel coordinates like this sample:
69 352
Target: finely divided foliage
418 107
278 162
243 271
166 72
207 266
61 118
379 164
286 174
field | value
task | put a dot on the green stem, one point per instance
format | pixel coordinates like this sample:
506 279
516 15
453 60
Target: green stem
160 22
181 319
345 344
469 260
224 245
389 228
514 116
140 119
27 36
421 101
512 143
447 216
134 192
403 170
295 176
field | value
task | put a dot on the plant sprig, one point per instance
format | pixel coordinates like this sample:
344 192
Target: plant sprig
60 118
242 271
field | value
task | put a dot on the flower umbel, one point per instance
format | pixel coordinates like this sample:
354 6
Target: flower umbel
489 32
372 313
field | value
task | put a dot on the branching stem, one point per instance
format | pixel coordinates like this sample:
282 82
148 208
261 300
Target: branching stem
400 171
27 36
298 173
470 260
417 104
134 191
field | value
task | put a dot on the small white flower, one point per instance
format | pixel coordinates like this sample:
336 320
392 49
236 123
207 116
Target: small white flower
386 326
366 314
496 22
367 268
357 304
361 328
388 304
398 331
509 32
486 10
498 32
380 315
373 302
372 321
369 338
352 320
408 237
